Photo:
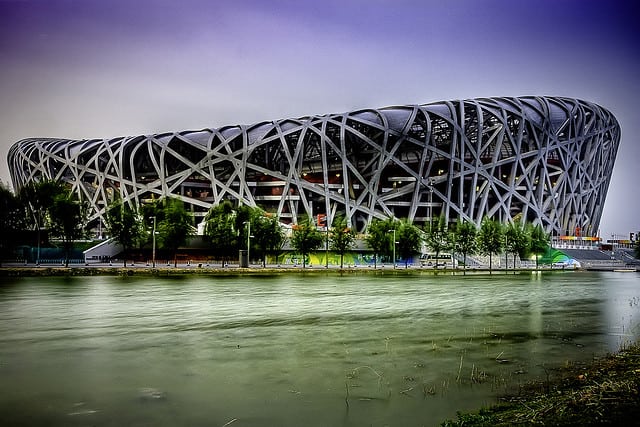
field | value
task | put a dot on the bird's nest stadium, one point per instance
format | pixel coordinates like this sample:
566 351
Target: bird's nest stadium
546 160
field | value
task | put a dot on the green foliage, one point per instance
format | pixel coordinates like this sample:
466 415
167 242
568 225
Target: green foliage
176 225
437 236
408 238
476 420
220 229
243 215
67 216
539 241
125 225
306 237
378 238
12 218
227 227
38 197
517 241
268 235
342 237
11 210
150 210
490 238
49 204
465 239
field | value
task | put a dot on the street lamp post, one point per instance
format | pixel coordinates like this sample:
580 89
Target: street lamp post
38 255
153 245
394 247
430 184
35 217
248 240
326 247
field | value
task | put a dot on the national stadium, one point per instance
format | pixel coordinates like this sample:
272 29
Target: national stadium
544 160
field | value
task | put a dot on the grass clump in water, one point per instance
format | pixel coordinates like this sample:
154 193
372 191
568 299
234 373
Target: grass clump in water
606 392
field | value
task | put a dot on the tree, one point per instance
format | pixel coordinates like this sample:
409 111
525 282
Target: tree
125 225
638 249
267 232
220 230
437 236
465 240
377 237
37 197
151 213
306 238
227 227
243 216
452 237
539 241
490 240
517 241
12 219
67 220
278 247
175 226
409 240
342 237
155 208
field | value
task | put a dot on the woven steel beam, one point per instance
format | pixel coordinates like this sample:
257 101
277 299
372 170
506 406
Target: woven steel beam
546 160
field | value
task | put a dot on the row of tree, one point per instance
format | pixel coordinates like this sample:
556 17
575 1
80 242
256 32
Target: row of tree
491 238
52 206
228 229
45 205
464 238
132 228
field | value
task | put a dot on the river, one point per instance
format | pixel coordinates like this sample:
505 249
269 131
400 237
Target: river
293 350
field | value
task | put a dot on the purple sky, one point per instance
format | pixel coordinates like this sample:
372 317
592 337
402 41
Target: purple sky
101 68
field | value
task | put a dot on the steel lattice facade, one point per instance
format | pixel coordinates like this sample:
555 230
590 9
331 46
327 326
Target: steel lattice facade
546 160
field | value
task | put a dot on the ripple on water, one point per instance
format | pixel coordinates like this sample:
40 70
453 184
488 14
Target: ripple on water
410 350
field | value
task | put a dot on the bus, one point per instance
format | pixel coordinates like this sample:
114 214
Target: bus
443 260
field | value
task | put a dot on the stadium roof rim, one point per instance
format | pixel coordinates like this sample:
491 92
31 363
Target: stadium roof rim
540 159
163 134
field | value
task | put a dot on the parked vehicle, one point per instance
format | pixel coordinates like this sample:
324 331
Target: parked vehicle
443 260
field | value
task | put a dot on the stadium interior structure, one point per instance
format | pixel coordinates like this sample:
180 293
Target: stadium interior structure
545 160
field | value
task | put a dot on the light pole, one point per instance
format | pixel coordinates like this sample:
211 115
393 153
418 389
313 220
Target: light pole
38 255
153 246
394 247
35 217
430 182
326 246
248 239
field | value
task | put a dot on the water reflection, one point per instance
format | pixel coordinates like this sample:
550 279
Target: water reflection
326 350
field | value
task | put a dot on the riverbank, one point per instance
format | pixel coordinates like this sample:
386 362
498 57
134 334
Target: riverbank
606 392
200 269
